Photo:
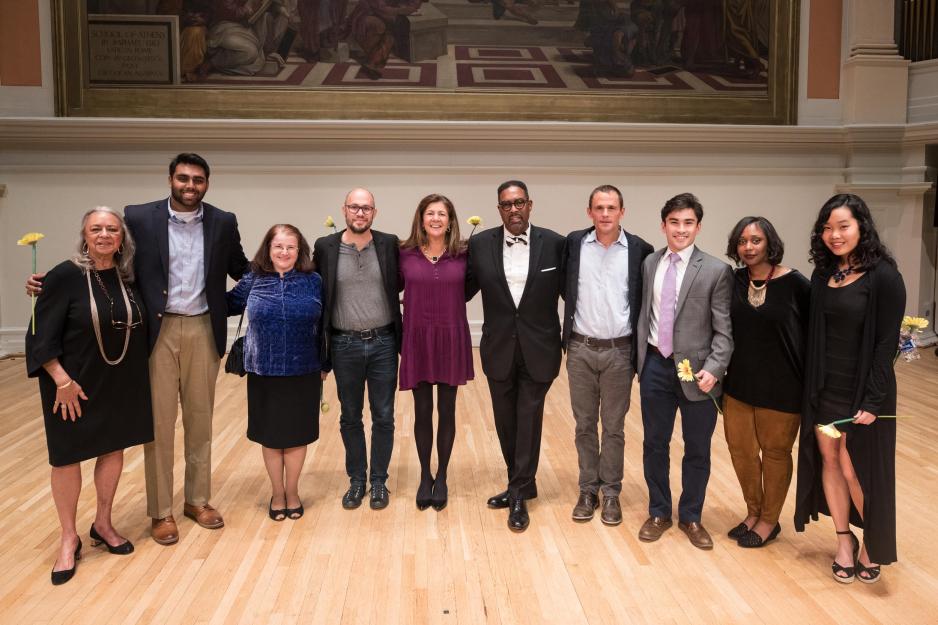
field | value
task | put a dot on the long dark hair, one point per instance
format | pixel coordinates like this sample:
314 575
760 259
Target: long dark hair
418 236
774 247
869 250
304 259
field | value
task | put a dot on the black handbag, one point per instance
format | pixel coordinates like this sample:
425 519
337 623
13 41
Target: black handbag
235 361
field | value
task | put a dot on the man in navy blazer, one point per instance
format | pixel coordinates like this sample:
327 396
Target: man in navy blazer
600 325
519 269
185 250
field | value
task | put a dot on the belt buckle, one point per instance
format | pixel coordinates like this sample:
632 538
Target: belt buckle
367 335
590 341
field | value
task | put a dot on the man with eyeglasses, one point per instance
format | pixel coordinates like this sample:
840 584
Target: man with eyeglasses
362 333
603 299
520 270
185 250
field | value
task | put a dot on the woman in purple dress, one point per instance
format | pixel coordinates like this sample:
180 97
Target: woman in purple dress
436 349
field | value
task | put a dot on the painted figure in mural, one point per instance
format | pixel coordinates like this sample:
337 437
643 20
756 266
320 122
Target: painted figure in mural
377 25
746 25
702 44
660 30
522 9
245 34
194 18
322 25
610 34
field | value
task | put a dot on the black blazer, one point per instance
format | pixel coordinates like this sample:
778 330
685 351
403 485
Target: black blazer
326 258
149 226
533 324
638 250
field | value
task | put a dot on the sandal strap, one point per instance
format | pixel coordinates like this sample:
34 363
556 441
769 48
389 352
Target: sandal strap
849 570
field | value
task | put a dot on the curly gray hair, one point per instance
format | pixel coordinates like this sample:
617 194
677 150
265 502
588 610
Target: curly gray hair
123 258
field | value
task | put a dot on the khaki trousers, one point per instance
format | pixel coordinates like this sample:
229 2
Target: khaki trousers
764 480
183 366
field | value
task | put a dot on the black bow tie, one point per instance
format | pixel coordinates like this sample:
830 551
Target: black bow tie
518 239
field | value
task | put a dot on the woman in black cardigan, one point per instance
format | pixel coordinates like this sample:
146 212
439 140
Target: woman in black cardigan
857 303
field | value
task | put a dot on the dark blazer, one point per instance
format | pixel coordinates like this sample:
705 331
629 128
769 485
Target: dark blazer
638 250
149 226
703 331
534 323
326 258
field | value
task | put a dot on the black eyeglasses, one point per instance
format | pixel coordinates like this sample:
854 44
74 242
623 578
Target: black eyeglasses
507 205
364 209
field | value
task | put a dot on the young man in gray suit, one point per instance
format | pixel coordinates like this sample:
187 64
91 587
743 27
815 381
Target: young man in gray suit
685 315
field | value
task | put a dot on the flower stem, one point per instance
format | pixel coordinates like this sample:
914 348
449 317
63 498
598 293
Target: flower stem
32 296
850 419
714 400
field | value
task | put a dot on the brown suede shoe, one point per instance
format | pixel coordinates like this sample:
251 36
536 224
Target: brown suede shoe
653 528
206 516
699 537
164 531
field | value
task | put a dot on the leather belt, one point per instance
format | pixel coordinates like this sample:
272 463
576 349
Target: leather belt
654 349
589 341
366 335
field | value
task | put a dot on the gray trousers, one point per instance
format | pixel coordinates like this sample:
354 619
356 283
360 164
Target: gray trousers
600 388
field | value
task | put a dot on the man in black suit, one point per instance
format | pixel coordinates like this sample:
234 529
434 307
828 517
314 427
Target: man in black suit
519 269
600 325
362 335
185 250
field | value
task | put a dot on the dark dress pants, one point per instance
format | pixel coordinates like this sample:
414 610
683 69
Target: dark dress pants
661 396
356 362
518 408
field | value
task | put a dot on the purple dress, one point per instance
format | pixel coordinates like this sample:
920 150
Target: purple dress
436 346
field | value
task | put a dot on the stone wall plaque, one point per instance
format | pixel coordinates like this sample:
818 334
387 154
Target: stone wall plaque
133 49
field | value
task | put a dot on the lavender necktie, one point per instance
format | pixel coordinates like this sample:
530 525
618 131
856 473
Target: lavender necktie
668 306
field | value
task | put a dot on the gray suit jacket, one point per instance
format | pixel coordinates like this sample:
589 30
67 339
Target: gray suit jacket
703 333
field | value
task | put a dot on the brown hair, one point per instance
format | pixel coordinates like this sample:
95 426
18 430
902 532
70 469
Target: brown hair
418 237
304 259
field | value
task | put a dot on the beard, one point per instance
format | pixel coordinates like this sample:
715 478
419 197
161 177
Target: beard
180 198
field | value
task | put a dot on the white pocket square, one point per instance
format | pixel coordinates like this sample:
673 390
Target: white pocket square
548 269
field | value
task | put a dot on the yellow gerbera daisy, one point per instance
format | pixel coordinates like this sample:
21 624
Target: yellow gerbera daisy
475 220
685 372
31 238
829 430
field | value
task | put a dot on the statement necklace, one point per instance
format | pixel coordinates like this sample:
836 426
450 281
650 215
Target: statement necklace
430 257
757 293
841 274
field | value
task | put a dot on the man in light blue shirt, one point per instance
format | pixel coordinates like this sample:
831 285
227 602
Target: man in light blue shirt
603 297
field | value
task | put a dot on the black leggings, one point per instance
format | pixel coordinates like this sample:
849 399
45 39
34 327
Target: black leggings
423 426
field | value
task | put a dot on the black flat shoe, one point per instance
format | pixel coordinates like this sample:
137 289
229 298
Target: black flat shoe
751 540
122 549
424 494
737 532
60 577
353 496
295 513
379 496
440 495
276 515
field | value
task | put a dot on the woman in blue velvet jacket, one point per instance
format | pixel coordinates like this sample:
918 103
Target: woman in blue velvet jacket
283 299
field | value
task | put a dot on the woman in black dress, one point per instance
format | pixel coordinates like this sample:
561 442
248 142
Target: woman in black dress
763 385
90 355
857 303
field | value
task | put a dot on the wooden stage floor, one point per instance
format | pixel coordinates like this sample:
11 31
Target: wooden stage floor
461 565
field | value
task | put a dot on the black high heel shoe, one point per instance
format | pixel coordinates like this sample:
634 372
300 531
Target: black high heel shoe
122 549
424 493
440 494
60 577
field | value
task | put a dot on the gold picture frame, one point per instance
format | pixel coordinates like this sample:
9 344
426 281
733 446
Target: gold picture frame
76 96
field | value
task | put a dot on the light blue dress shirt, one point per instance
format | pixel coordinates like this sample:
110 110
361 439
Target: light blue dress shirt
602 302
186 292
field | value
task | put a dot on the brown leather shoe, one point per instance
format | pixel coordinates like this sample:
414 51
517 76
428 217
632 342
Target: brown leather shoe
206 516
164 531
653 528
612 511
699 537
585 504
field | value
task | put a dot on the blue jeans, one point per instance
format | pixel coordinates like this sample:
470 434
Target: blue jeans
354 362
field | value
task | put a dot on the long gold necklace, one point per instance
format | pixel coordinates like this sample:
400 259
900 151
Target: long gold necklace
757 293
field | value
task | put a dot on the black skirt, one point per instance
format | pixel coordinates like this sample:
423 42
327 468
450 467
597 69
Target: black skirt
283 411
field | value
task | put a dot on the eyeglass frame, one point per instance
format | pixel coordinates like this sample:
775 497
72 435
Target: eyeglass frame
359 208
513 204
